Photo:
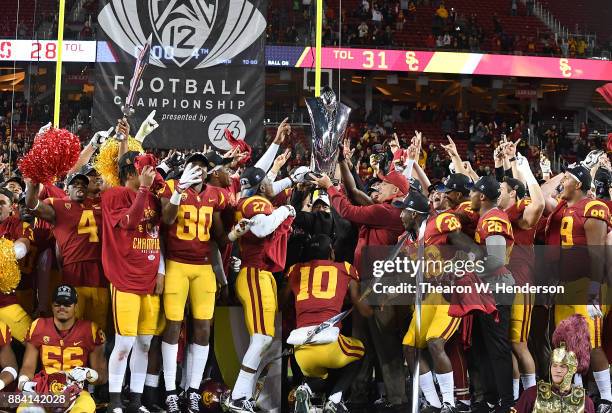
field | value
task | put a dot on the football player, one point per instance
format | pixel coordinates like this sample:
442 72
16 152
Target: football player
584 226
133 263
263 251
77 225
188 206
12 228
441 234
524 213
319 286
492 337
67 345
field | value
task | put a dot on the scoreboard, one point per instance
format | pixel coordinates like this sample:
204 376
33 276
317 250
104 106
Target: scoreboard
346 58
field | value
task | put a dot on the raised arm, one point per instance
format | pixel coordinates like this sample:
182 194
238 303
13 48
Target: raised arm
39 209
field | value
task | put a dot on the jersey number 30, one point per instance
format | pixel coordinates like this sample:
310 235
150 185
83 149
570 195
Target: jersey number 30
194 222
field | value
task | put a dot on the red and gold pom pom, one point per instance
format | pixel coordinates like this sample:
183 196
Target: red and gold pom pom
106 160
9 269
53 154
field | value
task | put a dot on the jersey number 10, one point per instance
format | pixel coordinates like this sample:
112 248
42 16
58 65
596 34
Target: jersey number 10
316 288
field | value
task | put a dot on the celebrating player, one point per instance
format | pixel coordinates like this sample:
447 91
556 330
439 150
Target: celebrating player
263 251
77 221
66 345
437 326
319 286
188 206
494 233
12 228
584 225
524 213
131 258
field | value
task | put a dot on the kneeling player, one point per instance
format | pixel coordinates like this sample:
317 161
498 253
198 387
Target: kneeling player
66 344
319 287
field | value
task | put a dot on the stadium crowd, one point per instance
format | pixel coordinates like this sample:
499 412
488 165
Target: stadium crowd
129 245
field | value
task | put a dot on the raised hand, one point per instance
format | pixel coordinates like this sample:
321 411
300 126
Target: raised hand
283 131
281 159
100 137
147 126
147 176
450 148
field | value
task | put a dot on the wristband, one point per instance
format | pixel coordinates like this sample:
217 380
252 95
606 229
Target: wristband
175 199
92 376
232 236
11 371
512 159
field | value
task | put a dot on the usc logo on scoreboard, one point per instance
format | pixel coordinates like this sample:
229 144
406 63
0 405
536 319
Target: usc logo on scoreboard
565 68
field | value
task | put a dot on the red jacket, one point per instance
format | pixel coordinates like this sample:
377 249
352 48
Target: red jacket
380 224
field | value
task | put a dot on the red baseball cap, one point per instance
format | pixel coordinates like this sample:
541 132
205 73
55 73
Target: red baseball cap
397 179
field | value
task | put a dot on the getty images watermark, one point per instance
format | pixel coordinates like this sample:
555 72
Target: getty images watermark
461 278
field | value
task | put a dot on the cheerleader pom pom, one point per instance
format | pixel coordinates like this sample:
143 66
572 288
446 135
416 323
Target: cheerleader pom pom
106 160
9 269
54 153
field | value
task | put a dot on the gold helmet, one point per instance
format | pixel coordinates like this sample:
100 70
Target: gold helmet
561 355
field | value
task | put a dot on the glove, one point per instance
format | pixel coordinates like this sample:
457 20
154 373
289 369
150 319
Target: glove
192 175
44 128
24 384
100 137
235 263
82 374
148 126
291 210
299 175
545 166
241 228
592 159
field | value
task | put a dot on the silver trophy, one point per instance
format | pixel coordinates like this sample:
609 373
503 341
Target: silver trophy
329 119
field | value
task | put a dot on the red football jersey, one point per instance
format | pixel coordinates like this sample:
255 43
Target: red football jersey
13 229
467 217
78 231
186 240
575 262
522 257
437 229
282 198
43 239
251 251
227 218
130 257
495 222
64 350
5 334
319 288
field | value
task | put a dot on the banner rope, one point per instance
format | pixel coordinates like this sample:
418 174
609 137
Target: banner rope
58 66
319 35
10 158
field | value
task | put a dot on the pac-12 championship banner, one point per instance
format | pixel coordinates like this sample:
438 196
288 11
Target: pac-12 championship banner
206 70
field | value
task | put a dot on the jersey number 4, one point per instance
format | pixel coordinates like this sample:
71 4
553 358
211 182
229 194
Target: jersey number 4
315 288
193 222
87 225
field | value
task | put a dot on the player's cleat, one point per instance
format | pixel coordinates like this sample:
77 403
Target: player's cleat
447 408
302 399
604 406
241 405
172 403
133 408
331 407
462 407
193 399
430 409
